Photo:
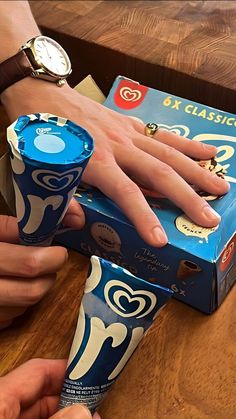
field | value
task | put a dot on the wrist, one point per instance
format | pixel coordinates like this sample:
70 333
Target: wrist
30 95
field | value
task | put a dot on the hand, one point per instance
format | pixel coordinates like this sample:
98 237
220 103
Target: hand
124 158
26 273
32 391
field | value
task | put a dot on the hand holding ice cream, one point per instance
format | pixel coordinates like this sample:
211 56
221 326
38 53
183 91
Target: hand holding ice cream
26 273
31 391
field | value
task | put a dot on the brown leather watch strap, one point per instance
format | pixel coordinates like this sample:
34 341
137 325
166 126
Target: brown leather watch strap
14 69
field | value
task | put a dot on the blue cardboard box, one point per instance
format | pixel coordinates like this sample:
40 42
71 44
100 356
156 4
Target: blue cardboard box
198 264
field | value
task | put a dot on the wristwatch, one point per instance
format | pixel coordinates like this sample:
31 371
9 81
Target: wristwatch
40 57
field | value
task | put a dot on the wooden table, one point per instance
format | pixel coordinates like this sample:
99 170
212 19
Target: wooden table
186 48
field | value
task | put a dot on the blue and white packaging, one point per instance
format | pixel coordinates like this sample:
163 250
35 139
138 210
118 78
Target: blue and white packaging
48 157
198 264
116 310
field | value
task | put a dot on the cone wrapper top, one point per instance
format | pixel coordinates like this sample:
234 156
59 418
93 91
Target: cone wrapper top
116 310
48 157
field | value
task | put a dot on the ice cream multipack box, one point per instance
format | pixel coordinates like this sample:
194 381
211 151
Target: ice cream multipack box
198 264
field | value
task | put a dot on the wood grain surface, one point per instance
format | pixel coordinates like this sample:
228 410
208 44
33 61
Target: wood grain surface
186 48
184 368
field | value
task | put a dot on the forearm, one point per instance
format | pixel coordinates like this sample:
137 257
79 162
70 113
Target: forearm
17 25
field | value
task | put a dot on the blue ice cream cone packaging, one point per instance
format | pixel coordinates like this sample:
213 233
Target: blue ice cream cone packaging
116 311
48 156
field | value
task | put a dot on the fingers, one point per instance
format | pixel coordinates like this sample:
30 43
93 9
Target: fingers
151 194
162 178
33 387
42 408
29 262
26 275
76 411
32 391
8 229
34 379
16 292
191 148
185 167
113 182
74 216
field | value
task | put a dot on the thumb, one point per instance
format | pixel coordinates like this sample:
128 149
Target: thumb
8 229
77 411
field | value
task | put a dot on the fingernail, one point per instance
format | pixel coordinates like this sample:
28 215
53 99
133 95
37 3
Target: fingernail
96 416
211 214
209 147
159 236
219 181
74 412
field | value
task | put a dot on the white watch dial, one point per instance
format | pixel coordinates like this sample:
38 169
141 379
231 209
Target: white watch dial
52 56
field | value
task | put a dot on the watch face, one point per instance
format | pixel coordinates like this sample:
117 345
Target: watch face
52 56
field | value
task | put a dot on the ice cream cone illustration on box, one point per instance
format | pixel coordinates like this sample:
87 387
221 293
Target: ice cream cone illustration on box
187 269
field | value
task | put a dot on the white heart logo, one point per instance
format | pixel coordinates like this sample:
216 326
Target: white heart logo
130 95
56 181
123 300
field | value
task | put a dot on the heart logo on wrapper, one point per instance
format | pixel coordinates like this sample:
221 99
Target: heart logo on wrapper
129 95
55 181
126 302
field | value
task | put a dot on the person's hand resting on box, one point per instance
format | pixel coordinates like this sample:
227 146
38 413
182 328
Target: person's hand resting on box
125 158
32 391
26 273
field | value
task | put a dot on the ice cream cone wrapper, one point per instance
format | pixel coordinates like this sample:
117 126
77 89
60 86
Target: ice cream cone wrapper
116 311
48 157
